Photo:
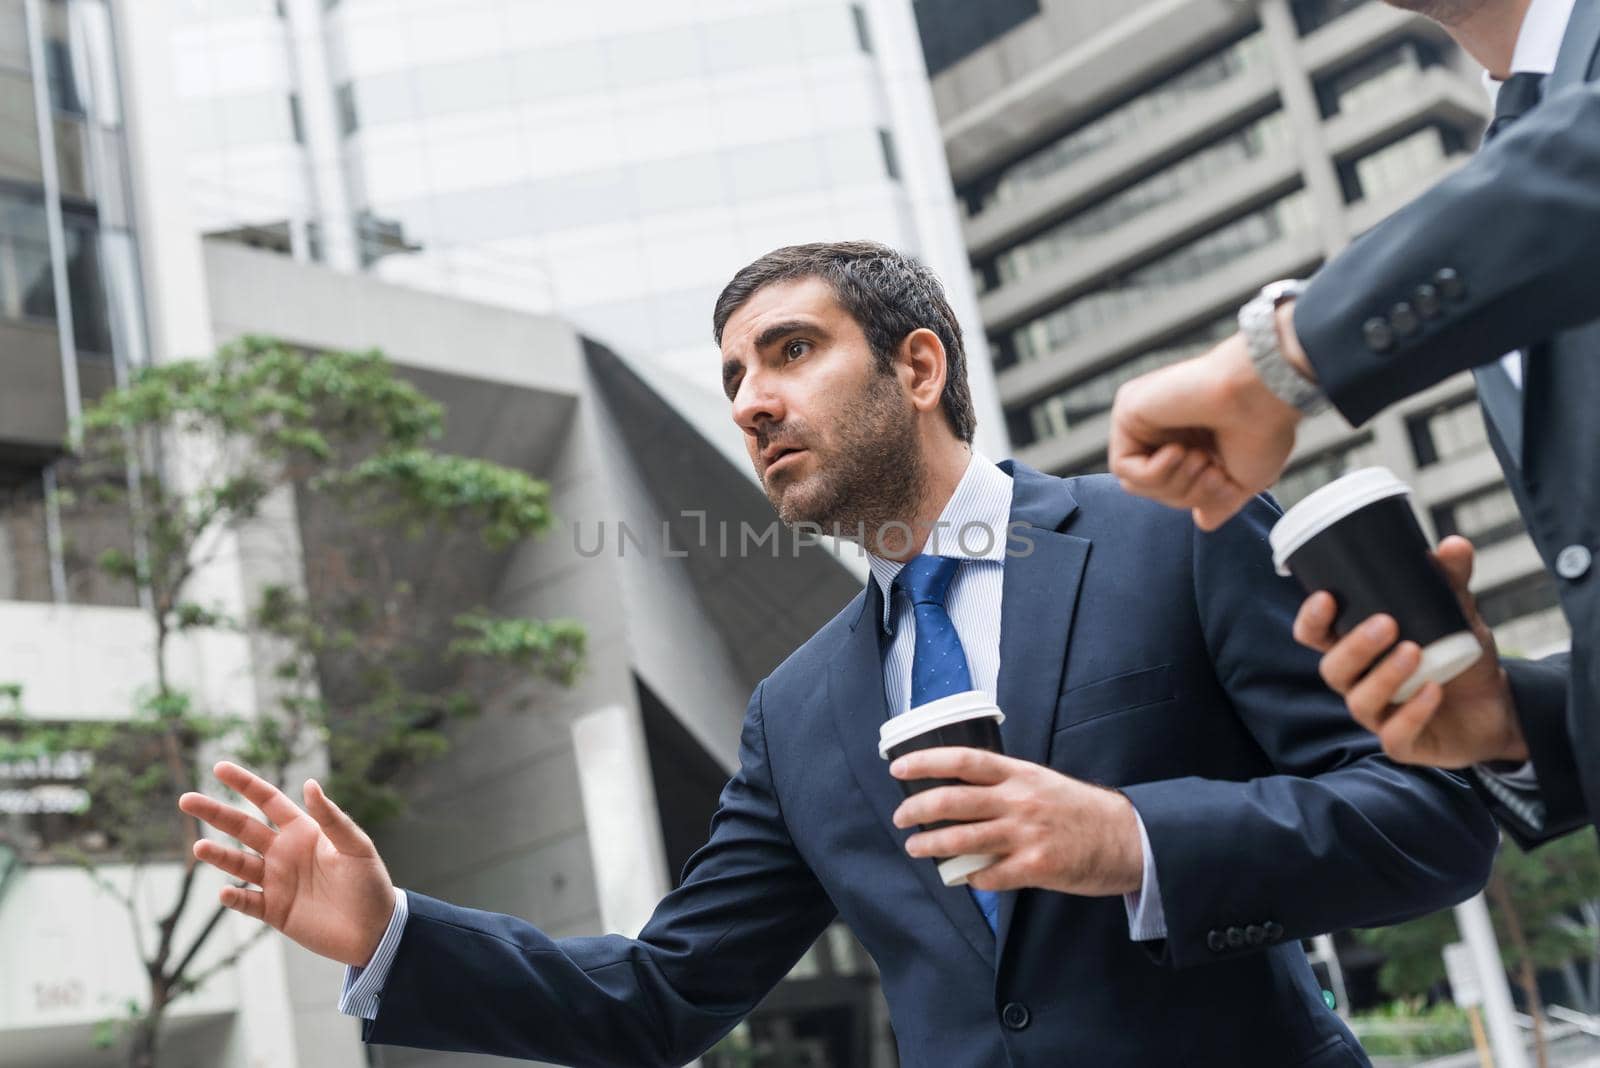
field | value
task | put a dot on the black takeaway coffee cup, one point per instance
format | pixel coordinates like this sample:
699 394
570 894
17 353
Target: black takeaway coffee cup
1358 539
969 718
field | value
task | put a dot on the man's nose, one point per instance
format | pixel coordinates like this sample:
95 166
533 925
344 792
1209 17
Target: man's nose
756 405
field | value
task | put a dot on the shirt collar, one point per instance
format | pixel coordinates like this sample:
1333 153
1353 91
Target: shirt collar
982 499
1538 41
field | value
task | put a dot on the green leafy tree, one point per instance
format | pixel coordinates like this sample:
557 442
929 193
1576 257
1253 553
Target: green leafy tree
199 455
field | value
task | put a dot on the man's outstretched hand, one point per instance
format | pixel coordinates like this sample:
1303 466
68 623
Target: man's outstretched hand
321 881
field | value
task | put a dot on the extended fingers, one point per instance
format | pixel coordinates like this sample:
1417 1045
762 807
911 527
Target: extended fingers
234 862
1402 733
347 837
259 792
229 820
252 903
1372 699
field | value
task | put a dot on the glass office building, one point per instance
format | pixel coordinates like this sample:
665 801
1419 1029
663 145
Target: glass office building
615 161
1130 173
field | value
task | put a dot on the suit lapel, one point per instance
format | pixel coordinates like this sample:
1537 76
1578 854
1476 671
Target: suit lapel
1577 47
1043 571
855 691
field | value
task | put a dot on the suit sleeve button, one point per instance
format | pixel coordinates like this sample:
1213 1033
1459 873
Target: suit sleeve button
1451 287
1216 941
1255 935
1015 1015
1236 938
1403 318
1378 335
1273 929
1426 301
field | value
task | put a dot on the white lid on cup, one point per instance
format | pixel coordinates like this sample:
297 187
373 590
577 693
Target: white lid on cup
1326 506
945 712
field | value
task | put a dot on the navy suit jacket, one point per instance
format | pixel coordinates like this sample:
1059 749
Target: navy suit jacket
1516 229
1135 652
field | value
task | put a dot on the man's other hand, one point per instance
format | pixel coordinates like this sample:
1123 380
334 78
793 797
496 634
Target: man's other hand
1205 434
320 880
1048 830
1470 720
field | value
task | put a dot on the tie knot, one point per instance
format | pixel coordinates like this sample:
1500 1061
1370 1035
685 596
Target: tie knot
926 579
1517 96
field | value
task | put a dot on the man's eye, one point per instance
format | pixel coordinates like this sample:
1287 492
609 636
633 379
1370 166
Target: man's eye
796 349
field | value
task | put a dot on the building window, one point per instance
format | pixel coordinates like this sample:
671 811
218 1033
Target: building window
27 287
24 534
1312 15
1118 123
1138 291
1317 471
951 30
1486 517
1375 79
1454 428
297 122
1401 164
1165 186
1067 410
1523 597
891 162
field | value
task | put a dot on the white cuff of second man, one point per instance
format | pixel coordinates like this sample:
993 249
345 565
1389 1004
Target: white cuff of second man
1147 921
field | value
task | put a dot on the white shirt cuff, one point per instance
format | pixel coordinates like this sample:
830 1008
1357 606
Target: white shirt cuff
363 986
1523 778
1147 920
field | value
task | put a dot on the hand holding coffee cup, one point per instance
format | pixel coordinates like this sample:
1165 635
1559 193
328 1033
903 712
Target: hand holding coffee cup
1469 720
965 719
1358 539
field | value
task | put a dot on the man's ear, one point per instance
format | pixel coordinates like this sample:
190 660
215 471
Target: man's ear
921 360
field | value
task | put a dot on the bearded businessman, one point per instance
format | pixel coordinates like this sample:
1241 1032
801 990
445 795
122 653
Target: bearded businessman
1493 269
1181 802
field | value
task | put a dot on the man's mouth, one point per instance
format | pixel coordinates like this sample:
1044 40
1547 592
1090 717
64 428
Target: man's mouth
777 455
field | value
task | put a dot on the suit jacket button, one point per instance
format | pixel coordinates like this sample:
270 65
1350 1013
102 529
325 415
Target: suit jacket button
1215 941
1451 287
1378 335
1573 562
1426 301
1236 938
1273 929
1015 1015
1255 935
1404 319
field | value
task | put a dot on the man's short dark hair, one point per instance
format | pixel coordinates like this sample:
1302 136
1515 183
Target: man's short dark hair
887 292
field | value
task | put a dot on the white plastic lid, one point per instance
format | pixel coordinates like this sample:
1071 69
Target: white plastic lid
1326 506
946 711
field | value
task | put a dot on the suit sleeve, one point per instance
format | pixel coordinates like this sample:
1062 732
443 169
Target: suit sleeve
1515 224
1539 688
1339 836
748 907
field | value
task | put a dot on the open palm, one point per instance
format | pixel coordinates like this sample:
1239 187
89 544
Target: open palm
321 881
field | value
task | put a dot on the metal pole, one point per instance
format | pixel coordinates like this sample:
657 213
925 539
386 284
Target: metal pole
1472 919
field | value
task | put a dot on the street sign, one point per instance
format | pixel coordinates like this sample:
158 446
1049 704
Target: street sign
1463 975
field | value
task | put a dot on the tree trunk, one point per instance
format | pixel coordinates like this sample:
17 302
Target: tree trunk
1527 976
147 1029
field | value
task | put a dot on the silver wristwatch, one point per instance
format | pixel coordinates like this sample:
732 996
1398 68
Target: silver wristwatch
1259 324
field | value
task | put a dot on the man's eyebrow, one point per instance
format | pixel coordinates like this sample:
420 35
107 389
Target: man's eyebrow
778 331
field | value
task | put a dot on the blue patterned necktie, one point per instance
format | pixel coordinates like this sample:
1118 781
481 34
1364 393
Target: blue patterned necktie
939 664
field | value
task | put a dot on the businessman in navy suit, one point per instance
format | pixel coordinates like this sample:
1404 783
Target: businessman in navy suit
1181 802
1492 269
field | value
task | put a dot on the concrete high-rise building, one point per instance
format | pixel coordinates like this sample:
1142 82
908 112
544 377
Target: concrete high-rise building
614 162
1131 171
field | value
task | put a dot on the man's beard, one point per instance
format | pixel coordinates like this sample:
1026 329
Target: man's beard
1444 12
873 474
